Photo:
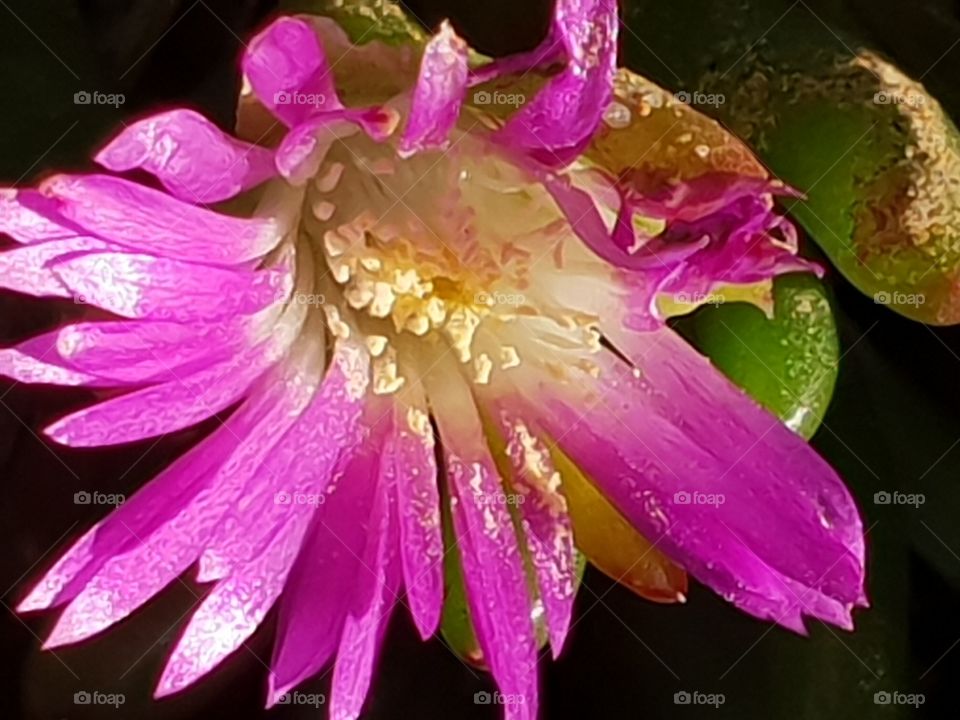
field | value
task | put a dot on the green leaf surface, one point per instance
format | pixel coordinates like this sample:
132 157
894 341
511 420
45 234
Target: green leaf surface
787 363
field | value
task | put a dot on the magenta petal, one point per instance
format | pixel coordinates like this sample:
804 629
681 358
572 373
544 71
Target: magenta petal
289 73
260 534
545 521
163 408
374 598
290 472
27 217
411 465
494 573
192 157
165 527
25 368
24 269
153 288
581 210
317 599
438 95
140 352
557 124
678 427
159 531
153 222
304 148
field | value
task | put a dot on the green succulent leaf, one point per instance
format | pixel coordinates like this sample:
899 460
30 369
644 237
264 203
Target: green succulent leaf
875 154
788 362
364 20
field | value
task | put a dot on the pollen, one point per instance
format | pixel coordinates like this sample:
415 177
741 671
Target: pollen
447 252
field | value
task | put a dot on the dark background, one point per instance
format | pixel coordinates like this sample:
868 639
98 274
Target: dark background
894 422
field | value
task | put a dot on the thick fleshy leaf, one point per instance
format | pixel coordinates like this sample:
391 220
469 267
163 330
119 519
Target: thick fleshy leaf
192 157
364 22
879 175
788 362
879 152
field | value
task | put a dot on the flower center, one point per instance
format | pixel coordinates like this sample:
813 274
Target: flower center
436 245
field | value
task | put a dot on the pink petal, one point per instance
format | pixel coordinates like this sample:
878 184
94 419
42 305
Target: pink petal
776 516
545 521
153 288
304 148
153 222
259 537
411 465
318 598
438 95
25 368
164 528
194 159
175 405
493 566
557 124
138 352
289 73
374 598
27 217
150 509
581 211
24 269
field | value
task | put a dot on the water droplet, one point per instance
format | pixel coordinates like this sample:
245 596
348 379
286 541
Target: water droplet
617 116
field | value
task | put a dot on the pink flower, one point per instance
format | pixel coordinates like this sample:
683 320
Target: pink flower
410 258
